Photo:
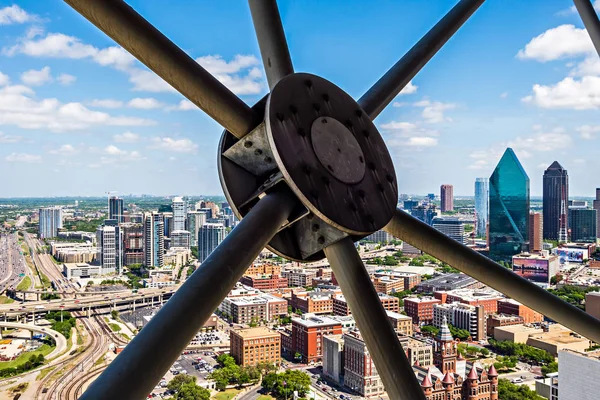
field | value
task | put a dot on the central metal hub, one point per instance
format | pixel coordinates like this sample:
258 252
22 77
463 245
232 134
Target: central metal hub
337 149
318 142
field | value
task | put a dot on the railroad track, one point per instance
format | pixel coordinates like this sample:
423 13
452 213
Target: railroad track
73 389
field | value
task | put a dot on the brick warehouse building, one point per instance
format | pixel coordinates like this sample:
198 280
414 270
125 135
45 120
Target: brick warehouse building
420 308
264 282
340 306
307 335
255 345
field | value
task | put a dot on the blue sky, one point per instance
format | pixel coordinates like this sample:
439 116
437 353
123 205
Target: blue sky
79 116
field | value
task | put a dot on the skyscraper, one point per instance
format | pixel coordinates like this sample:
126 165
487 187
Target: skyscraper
482 198
209 237
447 198
195 219
153 240
179 213
50 221
509 208
536 229
597 208
115 209
582 224
133 243
556 202
109 241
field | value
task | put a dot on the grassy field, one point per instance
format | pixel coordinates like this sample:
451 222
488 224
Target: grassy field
43 374
266 397
25 283
226 395
44 349
6 300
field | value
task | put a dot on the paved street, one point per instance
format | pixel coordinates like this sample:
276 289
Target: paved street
12 262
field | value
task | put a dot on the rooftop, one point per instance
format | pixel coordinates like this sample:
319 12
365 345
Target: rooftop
396 315
530 256
259 332
313 321
425 299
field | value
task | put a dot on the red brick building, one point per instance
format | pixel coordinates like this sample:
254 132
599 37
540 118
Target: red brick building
420 308
494 320
513 307
387 285
314 303
307 335
264 282
255 345
474 297
341 307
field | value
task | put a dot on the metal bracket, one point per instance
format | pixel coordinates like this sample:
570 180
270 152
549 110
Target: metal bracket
314 235
253 152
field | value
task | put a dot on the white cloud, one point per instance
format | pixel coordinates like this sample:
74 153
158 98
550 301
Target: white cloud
479 164
543 142
65 149
175 145
18 106
579 161
113 154
588 132
144 103
589 66
573 9
66 79
422 141
4 138
569 93
433 111
503 95
399 125
36 78
235 74
183 105
114 151
560 42
106 103
4 79
409 89
15 15
126 137
23 158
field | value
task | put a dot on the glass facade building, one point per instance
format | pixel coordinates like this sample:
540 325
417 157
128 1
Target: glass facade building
115 209
582 224
508 208
482 195
556 202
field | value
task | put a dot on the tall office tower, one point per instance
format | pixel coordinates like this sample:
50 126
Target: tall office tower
596 207
209 237
582 224
425 213
482 198
153 240
195 219
133 243
179 213
109 242
509 208
409 205
447 198
452 227
51 220
167 223
115 209
556 202
536 232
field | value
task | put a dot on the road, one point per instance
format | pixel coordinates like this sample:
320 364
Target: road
59 339
12 262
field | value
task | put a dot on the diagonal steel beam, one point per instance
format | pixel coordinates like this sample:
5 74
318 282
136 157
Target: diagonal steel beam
271 40
390 360
374 101
146 43
590 20
137 370
432 241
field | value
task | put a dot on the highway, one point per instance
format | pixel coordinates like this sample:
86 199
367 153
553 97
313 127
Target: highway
12 262
59 339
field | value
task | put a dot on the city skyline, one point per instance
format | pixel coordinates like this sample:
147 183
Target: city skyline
60 121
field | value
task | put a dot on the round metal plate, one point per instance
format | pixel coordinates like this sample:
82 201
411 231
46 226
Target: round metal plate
359 207
337 149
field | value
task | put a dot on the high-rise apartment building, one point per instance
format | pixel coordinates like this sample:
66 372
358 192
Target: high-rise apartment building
109 242
195 219
536 232
50 221
115 209
133 243
153 240
482 195
179 213
181 239
582 224
596 207
556 202
509 208
209 237
167 218
447 198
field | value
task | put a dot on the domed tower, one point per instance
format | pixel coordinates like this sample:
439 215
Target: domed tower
445 354
493 377
448 383
426 385
471 384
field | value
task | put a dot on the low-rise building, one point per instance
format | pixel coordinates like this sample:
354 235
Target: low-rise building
312 302
341 307
308 332
592 304
81 270
360 374
488 298
299 277
176 257
253 309
462 316
161 277
387 285
255 345
263 269
447 282
417 351
264 282
513 307
401 323
420 309
499 320
538 268
551 338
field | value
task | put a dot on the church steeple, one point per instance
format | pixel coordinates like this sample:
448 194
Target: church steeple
445 354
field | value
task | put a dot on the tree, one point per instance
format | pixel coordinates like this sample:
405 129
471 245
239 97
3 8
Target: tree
225 360
556 279
457 333
114 314
430 329
221 379
509 391
551 367
484 352
285 384
179 380
191 391
298 356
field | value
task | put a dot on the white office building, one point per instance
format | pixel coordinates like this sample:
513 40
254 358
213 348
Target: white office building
110 255
209 237
179 214
50 221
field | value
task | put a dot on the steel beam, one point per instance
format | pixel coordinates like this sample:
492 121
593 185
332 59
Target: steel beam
136 371
271 40
431 241
374 101
146 43
590 20
390 360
